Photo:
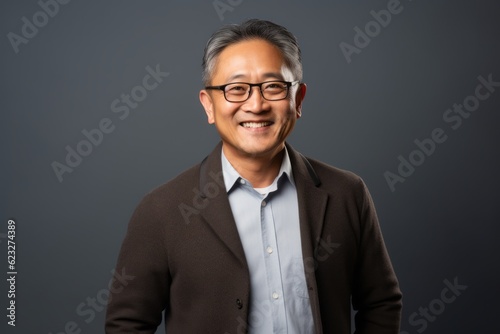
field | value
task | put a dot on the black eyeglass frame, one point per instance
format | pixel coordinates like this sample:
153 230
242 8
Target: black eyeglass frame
223 89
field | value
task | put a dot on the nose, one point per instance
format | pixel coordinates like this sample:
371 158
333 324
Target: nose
255 103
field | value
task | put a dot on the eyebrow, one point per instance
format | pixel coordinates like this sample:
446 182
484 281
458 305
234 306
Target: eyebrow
268 75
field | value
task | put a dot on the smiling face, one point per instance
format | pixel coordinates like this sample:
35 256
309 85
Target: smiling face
255 127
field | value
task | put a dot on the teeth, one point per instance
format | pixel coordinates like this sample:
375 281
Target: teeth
255 124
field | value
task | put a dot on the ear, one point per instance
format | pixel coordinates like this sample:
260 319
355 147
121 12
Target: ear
299 98
208 105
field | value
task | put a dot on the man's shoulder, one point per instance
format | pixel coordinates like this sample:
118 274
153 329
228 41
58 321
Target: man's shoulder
332 175
343 185
186 179
186 187
338 182
176 189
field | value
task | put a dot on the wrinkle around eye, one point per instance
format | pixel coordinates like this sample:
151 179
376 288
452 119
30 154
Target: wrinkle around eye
237 88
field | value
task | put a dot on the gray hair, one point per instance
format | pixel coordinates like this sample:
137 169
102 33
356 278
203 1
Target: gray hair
252 29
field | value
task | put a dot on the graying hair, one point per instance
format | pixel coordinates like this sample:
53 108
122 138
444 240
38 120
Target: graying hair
252 29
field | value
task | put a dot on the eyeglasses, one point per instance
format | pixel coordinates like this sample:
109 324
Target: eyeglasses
241 91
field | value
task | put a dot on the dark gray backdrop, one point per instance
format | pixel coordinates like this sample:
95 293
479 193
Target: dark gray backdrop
360 114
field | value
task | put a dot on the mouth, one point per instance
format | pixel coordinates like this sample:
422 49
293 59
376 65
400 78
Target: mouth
255 124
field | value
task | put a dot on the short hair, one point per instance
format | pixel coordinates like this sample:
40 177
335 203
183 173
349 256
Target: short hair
252 29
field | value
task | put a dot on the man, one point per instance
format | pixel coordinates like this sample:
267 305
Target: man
257 238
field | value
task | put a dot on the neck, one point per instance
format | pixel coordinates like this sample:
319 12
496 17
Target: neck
260 170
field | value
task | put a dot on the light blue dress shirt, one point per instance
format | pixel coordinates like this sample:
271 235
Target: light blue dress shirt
267 220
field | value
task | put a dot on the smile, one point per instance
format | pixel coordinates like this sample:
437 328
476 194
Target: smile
255 124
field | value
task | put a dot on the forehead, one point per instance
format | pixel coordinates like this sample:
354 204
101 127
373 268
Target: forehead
254 58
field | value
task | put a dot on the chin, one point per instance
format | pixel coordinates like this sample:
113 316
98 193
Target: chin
257 150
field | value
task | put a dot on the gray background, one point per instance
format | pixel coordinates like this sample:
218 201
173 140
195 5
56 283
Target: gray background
439 224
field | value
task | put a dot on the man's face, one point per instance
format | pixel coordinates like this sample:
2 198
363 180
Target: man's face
256 127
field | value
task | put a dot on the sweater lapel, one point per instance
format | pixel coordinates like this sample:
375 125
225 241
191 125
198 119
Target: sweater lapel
312 206
217 210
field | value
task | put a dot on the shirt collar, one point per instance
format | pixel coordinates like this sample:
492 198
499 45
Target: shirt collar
231 176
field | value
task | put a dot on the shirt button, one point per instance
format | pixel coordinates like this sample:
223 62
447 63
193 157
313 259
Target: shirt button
242 181
275 295
269 249
264 203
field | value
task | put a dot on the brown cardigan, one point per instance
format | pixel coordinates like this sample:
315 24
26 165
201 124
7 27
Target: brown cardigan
184 253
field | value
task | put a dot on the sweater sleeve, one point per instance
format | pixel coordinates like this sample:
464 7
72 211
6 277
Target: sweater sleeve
376 294
135 304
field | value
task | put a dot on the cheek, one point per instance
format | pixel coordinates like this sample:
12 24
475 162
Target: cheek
290 112
288 120
224 115
292 107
